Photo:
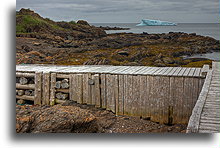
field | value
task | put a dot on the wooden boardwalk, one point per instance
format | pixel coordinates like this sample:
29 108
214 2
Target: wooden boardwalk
206 113
106 69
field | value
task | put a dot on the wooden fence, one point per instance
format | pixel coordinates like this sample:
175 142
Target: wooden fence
160 98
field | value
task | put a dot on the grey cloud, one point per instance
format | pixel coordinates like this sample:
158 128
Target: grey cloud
96 10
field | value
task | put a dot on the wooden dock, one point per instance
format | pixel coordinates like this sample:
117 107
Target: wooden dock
205 117
161 94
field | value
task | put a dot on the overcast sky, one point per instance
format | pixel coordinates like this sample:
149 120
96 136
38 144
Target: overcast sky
107 11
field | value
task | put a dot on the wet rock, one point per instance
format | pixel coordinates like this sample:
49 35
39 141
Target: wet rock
125 53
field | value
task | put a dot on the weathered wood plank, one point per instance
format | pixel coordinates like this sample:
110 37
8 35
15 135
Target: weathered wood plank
52 88
25 97
128 91
103 91
27 86
38 88
135 102
97 91
144 102
193 125
108 91
120 105
85 88
27 75
46 89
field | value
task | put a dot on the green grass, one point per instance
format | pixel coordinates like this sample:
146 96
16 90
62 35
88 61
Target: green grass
29 21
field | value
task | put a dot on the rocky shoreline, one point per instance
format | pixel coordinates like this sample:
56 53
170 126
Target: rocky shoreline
78 43
113 28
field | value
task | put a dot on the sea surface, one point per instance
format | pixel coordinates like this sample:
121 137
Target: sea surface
204 29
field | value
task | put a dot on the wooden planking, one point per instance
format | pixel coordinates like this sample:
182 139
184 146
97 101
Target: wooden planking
176 100
135 99
97 91
168 71
191 72
118 71
144 68
144 102
85 89
197 72
182 71
177 71
92 91
110 93
155 69
103 90
28 75
46 89
172 71
38 90
73 87
116 93
193 125
150 108
158 71
120 104
25 97
188 95
136 71
186 72
52 88
26 86
128 94
79 88
164 70
106 69
164 97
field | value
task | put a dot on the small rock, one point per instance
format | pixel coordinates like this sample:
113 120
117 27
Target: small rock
123 53
36 44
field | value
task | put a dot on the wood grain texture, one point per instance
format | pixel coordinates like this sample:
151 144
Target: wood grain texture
38 88
46 89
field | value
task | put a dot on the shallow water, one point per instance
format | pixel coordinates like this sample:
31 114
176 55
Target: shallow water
212 56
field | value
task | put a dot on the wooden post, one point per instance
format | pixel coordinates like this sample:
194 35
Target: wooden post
92 90
116 94
103 91
79 88
52 88
38 86
97 91
85 89
144 98
46 89
120 105
135 100
205 70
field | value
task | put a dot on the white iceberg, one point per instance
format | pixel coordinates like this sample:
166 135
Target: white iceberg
147 22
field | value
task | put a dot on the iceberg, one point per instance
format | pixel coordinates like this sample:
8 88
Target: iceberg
147 22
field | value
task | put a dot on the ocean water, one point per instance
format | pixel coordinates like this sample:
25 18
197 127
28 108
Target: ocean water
204 29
